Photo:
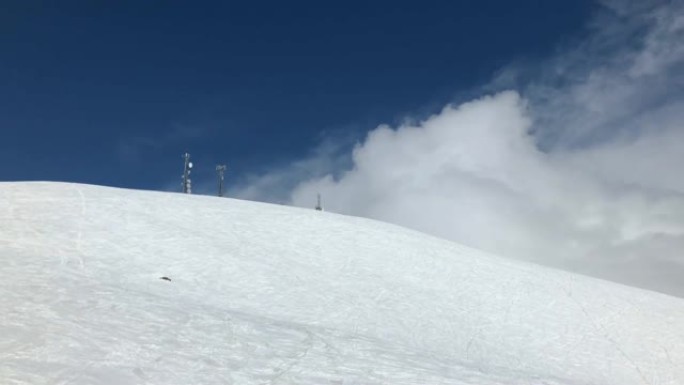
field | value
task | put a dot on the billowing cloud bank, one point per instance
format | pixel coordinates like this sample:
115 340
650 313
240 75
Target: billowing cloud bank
575 163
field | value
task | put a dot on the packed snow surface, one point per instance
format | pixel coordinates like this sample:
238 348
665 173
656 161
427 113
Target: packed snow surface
266 294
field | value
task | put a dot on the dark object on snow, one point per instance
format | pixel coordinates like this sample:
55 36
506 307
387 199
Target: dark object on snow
165 278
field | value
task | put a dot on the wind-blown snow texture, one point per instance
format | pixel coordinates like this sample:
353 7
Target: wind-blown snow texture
264 294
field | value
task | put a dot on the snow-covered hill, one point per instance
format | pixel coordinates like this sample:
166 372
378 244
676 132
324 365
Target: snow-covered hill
264 294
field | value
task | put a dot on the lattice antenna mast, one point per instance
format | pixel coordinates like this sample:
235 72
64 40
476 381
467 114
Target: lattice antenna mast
220 173
319 205
187 184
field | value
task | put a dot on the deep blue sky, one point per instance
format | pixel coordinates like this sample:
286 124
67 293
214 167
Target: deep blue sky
114 94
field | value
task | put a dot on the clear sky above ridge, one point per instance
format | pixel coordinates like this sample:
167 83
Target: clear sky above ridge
114 92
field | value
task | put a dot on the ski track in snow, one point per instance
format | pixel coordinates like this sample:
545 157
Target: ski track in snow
265 294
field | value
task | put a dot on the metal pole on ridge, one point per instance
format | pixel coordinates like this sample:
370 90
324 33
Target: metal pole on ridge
220 171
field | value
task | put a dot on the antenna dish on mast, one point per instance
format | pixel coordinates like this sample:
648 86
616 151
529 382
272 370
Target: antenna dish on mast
187 165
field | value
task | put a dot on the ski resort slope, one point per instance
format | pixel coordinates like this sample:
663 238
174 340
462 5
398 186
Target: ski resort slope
266 294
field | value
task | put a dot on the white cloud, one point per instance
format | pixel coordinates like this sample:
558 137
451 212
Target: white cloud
577 168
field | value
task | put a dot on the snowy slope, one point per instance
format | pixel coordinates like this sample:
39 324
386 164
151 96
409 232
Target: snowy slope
265 294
